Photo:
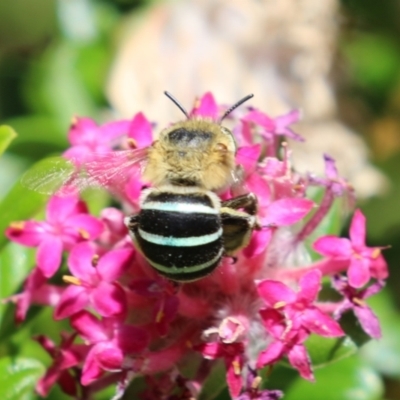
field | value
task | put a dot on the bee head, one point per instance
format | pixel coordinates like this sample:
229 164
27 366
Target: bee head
195 152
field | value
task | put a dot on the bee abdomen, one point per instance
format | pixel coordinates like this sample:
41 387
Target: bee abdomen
180 234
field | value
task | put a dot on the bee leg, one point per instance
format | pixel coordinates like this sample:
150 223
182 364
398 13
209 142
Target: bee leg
248 202
132 222
237 228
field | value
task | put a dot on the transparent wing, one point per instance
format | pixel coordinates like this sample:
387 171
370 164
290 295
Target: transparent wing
110 170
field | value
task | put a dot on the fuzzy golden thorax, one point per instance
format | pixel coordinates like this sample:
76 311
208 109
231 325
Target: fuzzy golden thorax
196 152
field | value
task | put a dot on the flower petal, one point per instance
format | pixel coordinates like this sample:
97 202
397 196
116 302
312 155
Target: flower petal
109 299
132 339
86 225
299 359
275 293
74 299
89 327
49 255
368 321
333 246
140 130
26 233
357 229
114 263
207 108
317 322
274 352
358 272
80 261
310 285
287 211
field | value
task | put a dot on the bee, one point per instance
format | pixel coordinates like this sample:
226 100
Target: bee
182 228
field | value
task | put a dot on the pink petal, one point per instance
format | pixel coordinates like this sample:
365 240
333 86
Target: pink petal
48 380
274 352
275 293
212 350
114 263
74 299
317 322
287 211
109 299
310 285
89 327
258 242
378 268
358 272
208 107
140 131
261 189
357 229
91 369
330 167
287 119
113 130
109 357
49 255
333 246
80 129
273 321
247 157
26 233
132 339
261 119
300 360
88 226
60 208
368 321
80 261
234 376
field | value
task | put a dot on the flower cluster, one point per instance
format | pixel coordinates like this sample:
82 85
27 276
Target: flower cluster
251 312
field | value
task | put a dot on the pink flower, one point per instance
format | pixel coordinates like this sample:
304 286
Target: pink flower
253 390
278 126
94 282
206 107
110 342
355 300
86 138
290 317
232 354
365 262
273 214
67 223
165 303
66 356
36 291
140 132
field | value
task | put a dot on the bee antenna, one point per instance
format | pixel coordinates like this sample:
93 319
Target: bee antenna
176 102
236 105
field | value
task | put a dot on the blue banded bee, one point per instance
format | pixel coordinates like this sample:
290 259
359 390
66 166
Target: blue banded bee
183 229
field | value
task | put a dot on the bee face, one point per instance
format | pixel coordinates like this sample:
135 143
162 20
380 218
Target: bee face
196 152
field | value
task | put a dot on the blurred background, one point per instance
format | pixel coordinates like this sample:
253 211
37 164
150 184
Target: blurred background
338 61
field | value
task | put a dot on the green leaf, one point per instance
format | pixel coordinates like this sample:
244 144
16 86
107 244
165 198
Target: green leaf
215 383
324 351
7 135
20 203
348 379
15 263
383 354
38 135
18 377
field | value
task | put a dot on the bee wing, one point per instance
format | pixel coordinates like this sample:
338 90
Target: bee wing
109 170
